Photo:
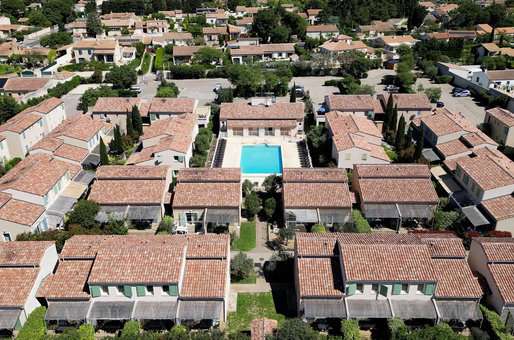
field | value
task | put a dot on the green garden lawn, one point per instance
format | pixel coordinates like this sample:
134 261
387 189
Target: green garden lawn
246 240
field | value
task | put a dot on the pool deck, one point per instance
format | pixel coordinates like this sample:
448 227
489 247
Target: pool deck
232 156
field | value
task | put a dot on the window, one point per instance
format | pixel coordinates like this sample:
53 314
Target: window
149 290
421 289
191 217
171 290
405 289
284 132
178 158
237 132
374 288
7 237
104 290
253 132
269 132
360 288
120 290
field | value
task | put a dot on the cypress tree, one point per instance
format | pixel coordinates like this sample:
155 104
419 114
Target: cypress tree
419 145
408 139
130 127
104 159
292 97
387 114
116 143
137 122
400 134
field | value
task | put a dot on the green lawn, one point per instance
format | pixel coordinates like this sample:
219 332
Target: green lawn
145 67
251 306
246 240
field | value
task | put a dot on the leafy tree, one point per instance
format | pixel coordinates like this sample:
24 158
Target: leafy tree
137 121
56 39
131 330
90 7
84 214
86 332
264 23
280 34
318 228
292 96
104 158
252 205
208 56
247 187
116 226
93 24
241 267
131 133
272 184
286 233
90 97
11 163
388 114
496 15
440 331
8 108
433 94
270 205
417 17
12 7
35 326
400 134
225 95
96 77
397 329
295 23
295 329
166 225
121 77
350 330
179 332
59 12
446 219
361 225
38 19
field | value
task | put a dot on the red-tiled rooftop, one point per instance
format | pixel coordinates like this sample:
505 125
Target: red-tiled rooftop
20 122
196 175
394 190
15 285
503 276
46 106
68 282
115 104
319 277
204 278
243 110
120 172
24 84
23 253
316 195
172 105
392 171
455 279
497 249
444 247
21 212
504 116
128 192
353 102
207 195
314 175
500 208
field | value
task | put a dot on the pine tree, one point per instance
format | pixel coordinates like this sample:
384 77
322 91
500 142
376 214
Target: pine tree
400 134
292 97
130 127
137 122
116 144
387 114
104 159
419 145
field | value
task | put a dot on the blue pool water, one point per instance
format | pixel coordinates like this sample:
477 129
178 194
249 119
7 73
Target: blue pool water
261 159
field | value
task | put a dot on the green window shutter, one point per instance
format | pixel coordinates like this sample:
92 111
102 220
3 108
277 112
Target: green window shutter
351 288
429 289
95 291
127 291
397 289
383 290
173 290
141 290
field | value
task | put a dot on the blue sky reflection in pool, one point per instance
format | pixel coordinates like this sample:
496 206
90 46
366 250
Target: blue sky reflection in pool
261 159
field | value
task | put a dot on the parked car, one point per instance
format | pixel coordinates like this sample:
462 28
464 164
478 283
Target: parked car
299 90
439 104
391 88
463 93
217 87
457 89
135 89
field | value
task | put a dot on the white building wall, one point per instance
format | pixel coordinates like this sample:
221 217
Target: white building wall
347 158
54 118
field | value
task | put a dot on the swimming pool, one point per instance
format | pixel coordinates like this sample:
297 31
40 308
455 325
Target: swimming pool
261 159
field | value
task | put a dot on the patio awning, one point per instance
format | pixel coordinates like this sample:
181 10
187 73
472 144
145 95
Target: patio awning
324 308
144 213
8 318
67 310
61 205
304 215
368 309
117 212
430 155
414 309
155 310
222 216
416 210
458 310
111 310
200 310
75 190
474 216
92 160
85 177
380 211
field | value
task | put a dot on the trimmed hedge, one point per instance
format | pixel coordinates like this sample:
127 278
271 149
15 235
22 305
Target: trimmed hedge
35 327
187 71
494 325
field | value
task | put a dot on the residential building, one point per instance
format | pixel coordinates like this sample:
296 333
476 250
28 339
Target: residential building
217 18
28 127
162 108
482 29
355 140
492 258
240 119
5 154
380 28
213 36
392 42
180 279
114 110
500 124
491 50
409 105
23 267
135 193
174 38
395 193
152 27
452 35
245 25
102 50
342 44
78 28
316 196
245 11
313 15
410 278
184 54
206 199
25 88
357 104
324 31
35 194
168 142
265 52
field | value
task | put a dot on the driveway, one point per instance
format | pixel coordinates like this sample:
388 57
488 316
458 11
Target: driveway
316 88
148 85
201 89
72 99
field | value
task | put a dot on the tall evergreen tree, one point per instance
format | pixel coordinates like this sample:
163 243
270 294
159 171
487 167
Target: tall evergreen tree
116 144
130 127
137 122
408 139
104 159
387 114
419 145
400 134
292 96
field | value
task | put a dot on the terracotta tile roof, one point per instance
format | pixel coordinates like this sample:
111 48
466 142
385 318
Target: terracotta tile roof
243 110
416 191
261 123
21 212
455 279
322 28
444 247
24 84
138 264
342 46
115 105
128 192
207 195
23 253
444 122
452 148
504 116
207 246
204 278
175 125
244 21
313 11
497 249
185 51
316 195
15 285
500 75
392 171
20 122
353 103
48 143
314 175
37 174
119 172
83 246
398 39
68 282
408 101
46 106
172 105
503 276
177 36
500 208
194 175
96 44
214 30
381 262
82 127
319 277
478 138
71 152
262 49
260 329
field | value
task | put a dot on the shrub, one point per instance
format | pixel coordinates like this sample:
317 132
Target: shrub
494 324
241 267
168 90
397 329
293 329
443 79
86 332
130 330
187 71
318 228
84 214
35 327
56 39
252 205
433 94
445 219
361 225
166 225
61 89
350 330
270 205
